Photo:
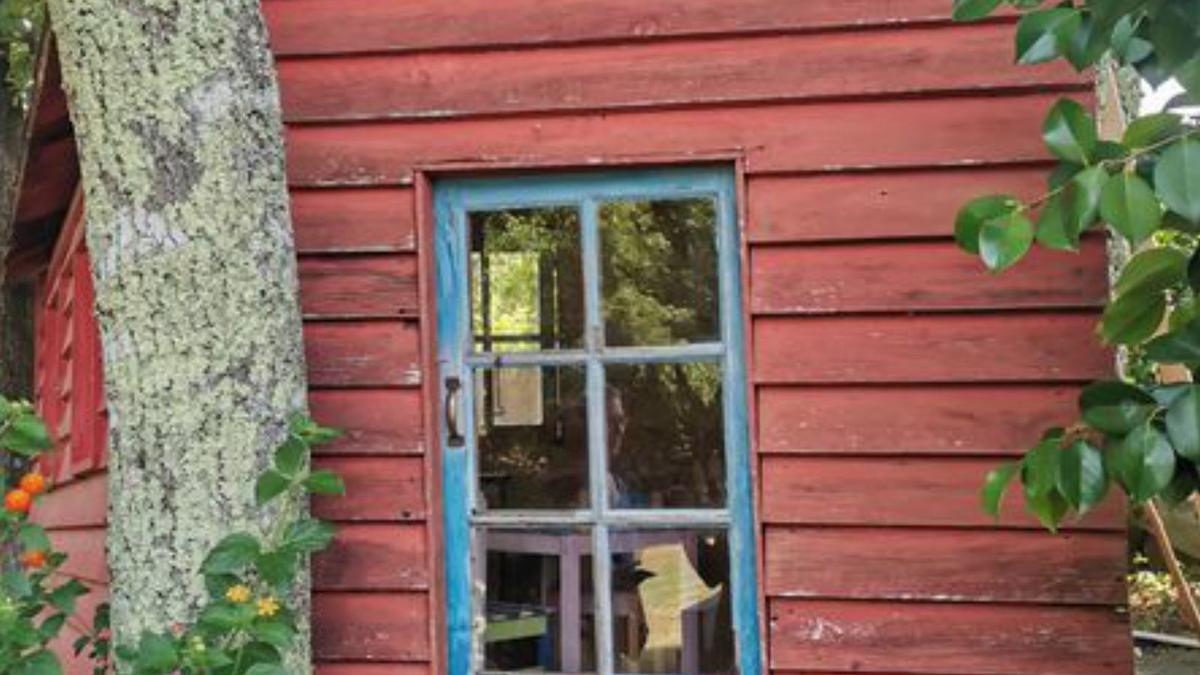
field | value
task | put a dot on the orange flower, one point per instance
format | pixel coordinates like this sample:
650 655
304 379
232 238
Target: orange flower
18 501
34 560
34 483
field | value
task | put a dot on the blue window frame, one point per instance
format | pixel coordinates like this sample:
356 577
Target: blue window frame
519 262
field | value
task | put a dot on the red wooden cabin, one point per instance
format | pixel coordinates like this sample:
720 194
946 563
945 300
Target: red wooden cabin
885 372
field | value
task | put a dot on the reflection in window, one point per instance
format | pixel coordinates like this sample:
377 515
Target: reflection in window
531 424
526 279
659 272
665 435
671 601
538 607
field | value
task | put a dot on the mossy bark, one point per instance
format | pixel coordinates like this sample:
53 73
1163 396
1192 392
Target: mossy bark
176 113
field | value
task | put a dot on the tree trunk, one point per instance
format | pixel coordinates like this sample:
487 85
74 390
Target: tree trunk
177 117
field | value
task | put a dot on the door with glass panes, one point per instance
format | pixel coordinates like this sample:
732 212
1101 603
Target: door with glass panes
596 485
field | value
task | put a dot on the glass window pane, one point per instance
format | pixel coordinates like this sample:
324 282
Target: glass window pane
659 272
526 279
531 422
671 601
538 606
665 435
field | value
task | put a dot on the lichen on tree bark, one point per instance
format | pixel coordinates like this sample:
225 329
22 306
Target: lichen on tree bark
177 118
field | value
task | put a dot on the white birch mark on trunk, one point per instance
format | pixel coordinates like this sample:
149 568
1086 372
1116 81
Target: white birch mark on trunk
177 117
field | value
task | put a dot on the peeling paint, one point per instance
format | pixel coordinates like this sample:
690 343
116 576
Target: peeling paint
176 113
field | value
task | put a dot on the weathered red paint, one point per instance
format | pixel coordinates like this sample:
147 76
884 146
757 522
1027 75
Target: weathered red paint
887 367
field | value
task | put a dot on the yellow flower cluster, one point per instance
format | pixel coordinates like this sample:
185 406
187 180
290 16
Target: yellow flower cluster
266 606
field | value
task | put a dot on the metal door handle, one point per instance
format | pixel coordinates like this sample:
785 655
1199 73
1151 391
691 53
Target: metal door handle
454 437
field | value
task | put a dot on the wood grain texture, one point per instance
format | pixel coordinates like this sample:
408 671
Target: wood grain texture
85 554
51 176
370 627
369 557
336 668
80 503
370 286
898 492
899 277
690 72
931 348
362 354
1076 568
307 26
868 637
966 131
879 205
373 421
382 489
356 220
944 419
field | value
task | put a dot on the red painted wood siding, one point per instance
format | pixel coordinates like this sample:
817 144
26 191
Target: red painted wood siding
69 393
861 126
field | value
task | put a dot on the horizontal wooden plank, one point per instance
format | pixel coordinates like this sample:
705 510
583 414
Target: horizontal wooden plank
371 286
868 637
882 492
946 565
370 669
371 626
85 553
362 354
377 489
796 137
373 421
79 503
354 220
886 204
964 58
910 420
304 26
931 348
926 275
369 557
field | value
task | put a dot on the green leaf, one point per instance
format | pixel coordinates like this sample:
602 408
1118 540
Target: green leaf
1039 468
1130 206
1045 34
156 654
225 616
1115 408
1005 240
325 483
267 669
1155 269
995 485
52 626
1082 480
275 633
277 568
16 584
308 536
1081 198
1133 318
1177 179
975 213
973 10
218 584
1052 231
1144 132
1183 423
290 457
1144 462
1180 346
1049 509
27 436
39 663
33 538
270 485
231 554
1070 132
63 598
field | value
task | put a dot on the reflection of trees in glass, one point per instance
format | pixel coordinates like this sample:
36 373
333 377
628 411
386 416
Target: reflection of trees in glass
526 280
666 434
659 265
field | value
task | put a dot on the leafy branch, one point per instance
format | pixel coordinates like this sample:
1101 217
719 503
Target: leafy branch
1140 434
